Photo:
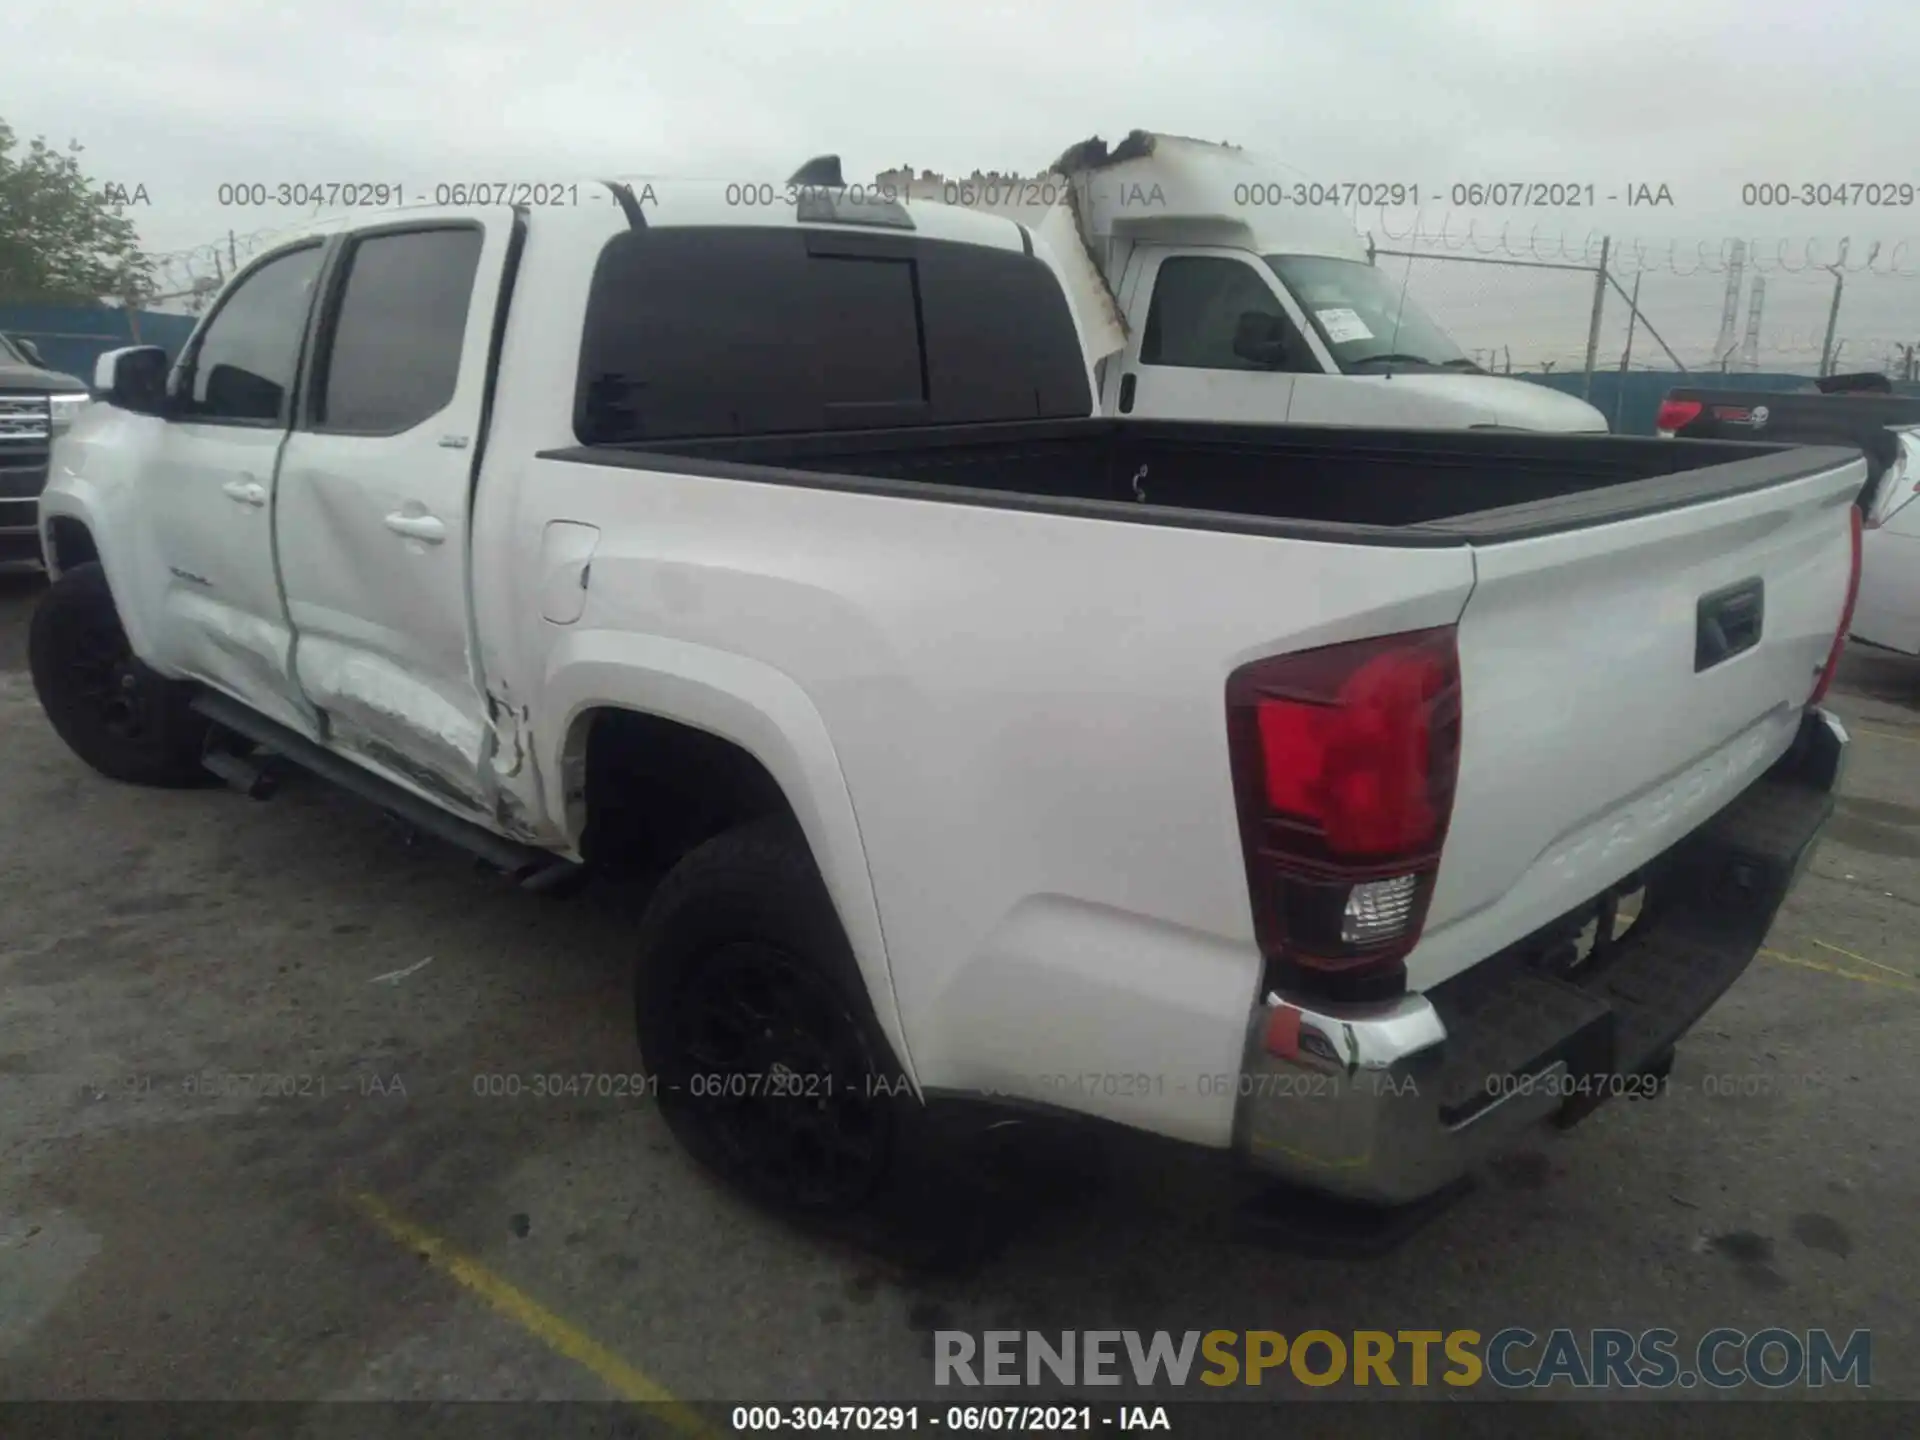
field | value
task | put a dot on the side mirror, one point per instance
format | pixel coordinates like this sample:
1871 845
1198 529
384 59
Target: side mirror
31 351
133 378
1262 338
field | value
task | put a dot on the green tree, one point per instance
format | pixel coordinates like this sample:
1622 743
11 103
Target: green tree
63 239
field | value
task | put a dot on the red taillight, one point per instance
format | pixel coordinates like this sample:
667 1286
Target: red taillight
1676 415
1846 612
1355 763
1344 764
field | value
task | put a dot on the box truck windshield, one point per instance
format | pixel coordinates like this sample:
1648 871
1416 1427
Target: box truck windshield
1364 317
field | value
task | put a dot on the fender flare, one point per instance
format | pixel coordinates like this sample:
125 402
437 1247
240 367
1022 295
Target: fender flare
765 712
75 501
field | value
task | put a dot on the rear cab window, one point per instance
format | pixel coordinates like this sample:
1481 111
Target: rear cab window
712 331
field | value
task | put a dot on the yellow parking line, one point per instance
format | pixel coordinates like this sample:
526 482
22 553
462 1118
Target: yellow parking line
1864 960
1886 734
1826 969
558 1335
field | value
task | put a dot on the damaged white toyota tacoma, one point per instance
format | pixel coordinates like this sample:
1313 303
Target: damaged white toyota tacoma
1346 799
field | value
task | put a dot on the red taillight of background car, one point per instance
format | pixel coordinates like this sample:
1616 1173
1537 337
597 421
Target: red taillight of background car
1846 612
1676 415
1344 761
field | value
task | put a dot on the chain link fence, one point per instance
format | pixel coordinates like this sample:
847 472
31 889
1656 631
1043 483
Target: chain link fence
1551 305
1512 316
185 281
1606 306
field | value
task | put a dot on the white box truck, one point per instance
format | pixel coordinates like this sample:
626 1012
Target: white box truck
1204 292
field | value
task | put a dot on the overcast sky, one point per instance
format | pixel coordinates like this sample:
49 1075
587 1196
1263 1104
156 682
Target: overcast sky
183 95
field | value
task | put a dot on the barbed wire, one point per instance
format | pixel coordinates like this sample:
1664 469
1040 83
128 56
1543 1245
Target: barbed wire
197 269
189 269
1632 255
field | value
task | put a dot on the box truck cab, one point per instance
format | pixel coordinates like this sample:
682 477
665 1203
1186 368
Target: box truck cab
1205 294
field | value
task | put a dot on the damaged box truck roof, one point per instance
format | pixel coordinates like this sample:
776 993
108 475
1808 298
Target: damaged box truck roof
1094 203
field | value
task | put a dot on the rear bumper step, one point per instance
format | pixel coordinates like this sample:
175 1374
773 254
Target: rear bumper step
1389 1103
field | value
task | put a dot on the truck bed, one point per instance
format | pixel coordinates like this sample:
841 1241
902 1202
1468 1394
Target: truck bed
1608 710
1404 487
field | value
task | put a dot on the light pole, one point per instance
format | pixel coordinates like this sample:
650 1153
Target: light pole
1838 271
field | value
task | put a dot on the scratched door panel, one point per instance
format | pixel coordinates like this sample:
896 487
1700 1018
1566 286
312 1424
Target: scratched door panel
375 498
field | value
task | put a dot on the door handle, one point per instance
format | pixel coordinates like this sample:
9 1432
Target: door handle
246 492
417 527
1728 622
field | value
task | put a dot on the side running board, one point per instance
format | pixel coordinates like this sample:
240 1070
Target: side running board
522 863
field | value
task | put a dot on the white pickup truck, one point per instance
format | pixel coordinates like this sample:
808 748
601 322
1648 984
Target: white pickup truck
1347 799
1213 284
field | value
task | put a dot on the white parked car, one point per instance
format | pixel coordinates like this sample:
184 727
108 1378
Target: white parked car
1288 792
1888 612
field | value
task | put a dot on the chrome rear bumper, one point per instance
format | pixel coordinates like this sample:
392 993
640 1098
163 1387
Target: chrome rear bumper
1389 1103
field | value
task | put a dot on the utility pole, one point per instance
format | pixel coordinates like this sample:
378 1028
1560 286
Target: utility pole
1838 271
1593 325
1509 350
1626 355
1730 306
1750 346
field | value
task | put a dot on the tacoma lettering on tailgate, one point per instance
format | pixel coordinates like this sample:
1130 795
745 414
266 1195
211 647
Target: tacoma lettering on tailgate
1647 819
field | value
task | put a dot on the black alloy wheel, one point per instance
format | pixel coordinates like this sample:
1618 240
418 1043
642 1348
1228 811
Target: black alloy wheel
781 1075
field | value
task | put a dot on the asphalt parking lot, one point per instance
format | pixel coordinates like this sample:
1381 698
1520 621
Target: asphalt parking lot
383 1231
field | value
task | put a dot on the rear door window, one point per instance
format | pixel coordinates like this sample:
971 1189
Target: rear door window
392 357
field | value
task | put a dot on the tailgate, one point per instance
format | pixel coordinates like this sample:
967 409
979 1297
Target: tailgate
1622 683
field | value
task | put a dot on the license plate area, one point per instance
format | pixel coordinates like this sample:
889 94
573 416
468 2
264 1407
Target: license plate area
1539 1004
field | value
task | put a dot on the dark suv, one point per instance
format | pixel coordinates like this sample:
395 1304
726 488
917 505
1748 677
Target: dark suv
36 404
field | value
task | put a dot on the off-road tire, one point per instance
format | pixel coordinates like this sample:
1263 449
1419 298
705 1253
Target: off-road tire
757 1030
120 717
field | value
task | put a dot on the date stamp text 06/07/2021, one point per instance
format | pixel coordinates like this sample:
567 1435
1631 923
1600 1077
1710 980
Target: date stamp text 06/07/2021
1889 193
